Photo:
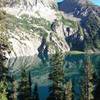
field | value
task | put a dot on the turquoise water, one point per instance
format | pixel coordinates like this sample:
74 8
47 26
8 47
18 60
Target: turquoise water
59 1
73 70
96 2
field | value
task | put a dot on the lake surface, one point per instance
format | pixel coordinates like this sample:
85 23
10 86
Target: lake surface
73 70
58 1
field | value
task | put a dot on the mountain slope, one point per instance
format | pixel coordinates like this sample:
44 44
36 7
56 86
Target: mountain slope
89 15
38 27
29 31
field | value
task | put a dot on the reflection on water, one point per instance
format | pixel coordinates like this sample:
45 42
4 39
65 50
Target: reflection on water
73 70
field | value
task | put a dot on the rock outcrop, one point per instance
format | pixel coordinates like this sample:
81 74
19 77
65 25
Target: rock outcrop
29 21
37 27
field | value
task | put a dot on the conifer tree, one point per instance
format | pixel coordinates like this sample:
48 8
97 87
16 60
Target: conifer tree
87 82
35 94
30 84
4 46
3 73
68 91
24 88
57 77
14 90
3 92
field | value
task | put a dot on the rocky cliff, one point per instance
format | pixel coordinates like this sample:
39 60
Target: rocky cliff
31 27
38 27
89 15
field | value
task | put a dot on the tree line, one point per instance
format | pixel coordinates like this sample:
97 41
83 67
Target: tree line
59 89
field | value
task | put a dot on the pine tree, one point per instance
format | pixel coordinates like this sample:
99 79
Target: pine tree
57 77
30 84
87 82
3 74
36 95
4 46
24 88
3 92
68 91
14 90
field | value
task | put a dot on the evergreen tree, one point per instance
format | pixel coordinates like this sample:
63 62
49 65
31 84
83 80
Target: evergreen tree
36 95
97 79
14 90
30 84
3 73
24 88
3 92
87 82
57 77
4 46
68 91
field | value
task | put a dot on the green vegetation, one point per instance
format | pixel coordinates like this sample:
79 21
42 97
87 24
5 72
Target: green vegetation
80 30
28 24
39 31
68 91
3 23
3 92
4 40
24 87
97 41
3 69
37 25
41 27
3 30
87 86
57 77
93 27
36 95
68 22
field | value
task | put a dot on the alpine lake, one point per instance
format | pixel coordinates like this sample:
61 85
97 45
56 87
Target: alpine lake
39 70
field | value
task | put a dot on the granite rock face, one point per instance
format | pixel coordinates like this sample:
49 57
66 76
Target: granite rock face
29 28
38 27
